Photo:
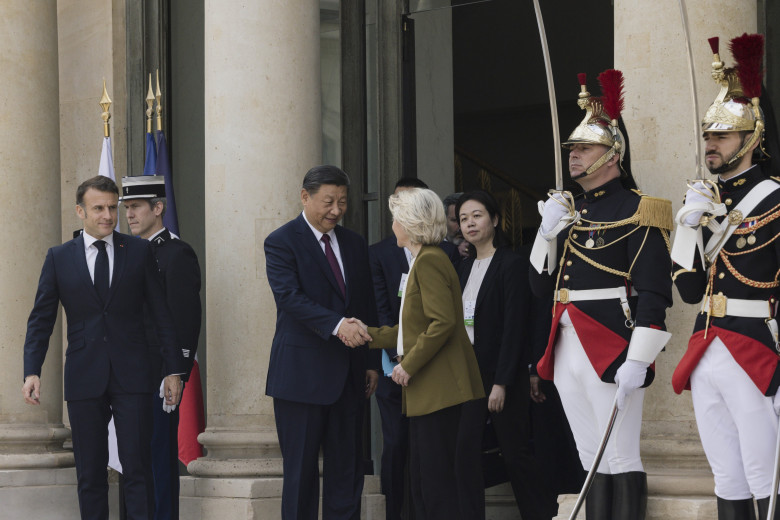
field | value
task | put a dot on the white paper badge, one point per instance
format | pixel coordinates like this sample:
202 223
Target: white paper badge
402 285
468 312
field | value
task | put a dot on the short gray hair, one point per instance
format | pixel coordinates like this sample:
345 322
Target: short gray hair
153 202
420 213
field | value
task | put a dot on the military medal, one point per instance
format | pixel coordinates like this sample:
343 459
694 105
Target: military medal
751 239
600 242
741 242
589 243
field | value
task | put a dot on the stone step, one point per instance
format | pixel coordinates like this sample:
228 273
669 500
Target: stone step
658 507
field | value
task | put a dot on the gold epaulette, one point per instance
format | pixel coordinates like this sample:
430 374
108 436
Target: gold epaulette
655 212
775 178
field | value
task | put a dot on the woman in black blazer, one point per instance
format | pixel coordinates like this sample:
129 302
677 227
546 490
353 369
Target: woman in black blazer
496 301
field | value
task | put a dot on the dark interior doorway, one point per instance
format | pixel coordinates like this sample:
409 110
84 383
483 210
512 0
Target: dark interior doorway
502 125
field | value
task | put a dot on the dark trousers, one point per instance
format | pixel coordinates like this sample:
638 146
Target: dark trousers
303 428
89 424
433 441
395 446
512 429
165 461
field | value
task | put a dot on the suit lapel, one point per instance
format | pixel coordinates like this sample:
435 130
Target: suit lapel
347 260
464 272
120 257
80 266
310 244
491 273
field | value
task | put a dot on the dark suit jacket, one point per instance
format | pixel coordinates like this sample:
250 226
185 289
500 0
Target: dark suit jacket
437 353
308 363
101 335
180 276
501 326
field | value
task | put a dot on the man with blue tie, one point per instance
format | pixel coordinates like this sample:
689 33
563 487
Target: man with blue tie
103 280
319 274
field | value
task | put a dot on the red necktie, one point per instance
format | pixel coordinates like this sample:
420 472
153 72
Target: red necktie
334 264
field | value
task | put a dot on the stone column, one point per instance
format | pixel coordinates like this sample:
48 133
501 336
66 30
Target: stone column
263 132
650 50
30 436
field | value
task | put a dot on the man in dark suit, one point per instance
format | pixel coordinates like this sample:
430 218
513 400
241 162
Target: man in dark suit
319 274
389 263
103 280
144 200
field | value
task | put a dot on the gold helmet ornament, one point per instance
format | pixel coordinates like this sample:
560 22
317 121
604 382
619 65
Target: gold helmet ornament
600 124
736 108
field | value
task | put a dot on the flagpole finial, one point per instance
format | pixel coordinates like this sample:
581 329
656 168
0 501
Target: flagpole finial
158 96
149 105
105 104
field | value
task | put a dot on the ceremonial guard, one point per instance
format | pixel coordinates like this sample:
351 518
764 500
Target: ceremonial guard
731 363
143 197
607 255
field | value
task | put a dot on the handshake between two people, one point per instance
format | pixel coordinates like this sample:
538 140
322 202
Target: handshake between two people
353 332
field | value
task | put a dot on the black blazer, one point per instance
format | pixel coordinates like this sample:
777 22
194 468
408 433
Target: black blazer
180 276
308 363
103 338
501 318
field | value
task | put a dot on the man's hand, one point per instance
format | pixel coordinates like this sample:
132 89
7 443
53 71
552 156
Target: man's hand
556 208
695 195
400 376
372 379
537 395
31 390
630 376
497 398
353 333
171 388
463 249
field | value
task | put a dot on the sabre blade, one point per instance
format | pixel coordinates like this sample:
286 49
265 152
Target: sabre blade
596 461
694 95
551 91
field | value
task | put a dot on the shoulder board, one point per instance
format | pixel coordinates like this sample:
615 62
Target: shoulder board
655 212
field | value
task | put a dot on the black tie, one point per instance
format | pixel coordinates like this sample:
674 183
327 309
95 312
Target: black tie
101 271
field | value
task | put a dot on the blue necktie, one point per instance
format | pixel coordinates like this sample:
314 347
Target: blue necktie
101 271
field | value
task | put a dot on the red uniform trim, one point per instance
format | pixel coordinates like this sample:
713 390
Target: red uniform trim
601 344
758 361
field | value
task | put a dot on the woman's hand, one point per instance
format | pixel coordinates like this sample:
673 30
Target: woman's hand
536 390
400 376
496 399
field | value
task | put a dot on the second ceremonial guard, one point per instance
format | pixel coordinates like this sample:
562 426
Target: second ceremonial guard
731 363
604 257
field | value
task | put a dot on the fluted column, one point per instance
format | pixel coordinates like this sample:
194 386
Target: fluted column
263 132
30 436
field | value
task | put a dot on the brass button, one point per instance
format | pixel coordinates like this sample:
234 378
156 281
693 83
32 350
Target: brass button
568 262
584 211
574 236
728 202
722 276
566 277
771 300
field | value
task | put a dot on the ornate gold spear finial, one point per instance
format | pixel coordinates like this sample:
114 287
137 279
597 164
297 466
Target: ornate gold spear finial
105 104
149 105
158 95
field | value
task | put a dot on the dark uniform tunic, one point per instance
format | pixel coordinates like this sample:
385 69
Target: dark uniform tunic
629 255
749 272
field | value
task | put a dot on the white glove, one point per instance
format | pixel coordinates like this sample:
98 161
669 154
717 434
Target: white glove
554 210
694 197
168 408
776 403
630 376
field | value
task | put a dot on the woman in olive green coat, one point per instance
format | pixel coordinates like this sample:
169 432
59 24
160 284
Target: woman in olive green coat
437 366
